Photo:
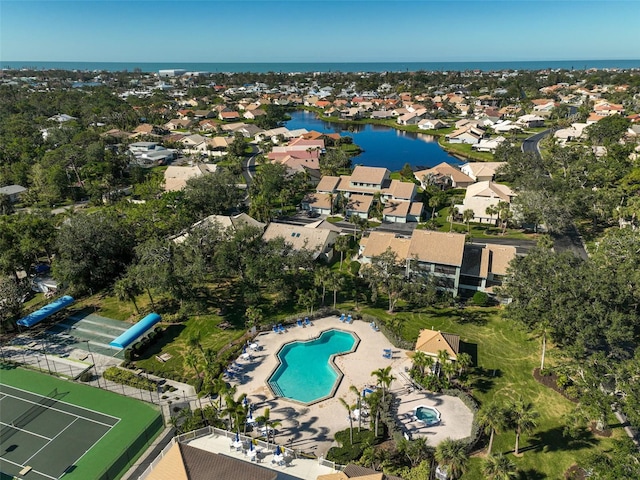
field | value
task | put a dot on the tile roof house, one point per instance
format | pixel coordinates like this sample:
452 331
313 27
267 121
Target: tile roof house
437 254
481 195
318 240
432 341
465 134
481 171
184 462
444 175
225 222
175 177
321 203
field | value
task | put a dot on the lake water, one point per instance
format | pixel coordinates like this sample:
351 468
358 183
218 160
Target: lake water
383 146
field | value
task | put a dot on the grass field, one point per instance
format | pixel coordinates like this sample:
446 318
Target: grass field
112 455
506 356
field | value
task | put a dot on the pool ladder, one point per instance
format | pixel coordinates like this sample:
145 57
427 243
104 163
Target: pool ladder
276 389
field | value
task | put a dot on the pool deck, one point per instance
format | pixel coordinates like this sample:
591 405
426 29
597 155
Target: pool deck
311 428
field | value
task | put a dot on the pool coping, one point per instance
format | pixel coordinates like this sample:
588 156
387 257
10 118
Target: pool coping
332 363
426 424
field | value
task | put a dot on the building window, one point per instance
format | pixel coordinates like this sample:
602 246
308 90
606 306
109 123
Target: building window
447 270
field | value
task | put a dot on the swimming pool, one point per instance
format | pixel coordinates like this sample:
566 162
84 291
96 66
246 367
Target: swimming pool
427 415
306 372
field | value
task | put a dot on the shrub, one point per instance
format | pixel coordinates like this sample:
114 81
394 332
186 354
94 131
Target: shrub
354 266
480 299
347 453
126 377
86 376
128 354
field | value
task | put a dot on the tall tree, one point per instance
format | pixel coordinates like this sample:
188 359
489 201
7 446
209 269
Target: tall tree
499 467
523 419
492 418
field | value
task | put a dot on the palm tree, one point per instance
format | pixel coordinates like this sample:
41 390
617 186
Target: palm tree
467 216
420 361
443 358
453 212
270 425
342 245
191 359
374 399
522 418
358 404
349 410
543 328
491 210
321 279
463 361
492 418
499 467
220 387
384 378
452 454
335 282
504 214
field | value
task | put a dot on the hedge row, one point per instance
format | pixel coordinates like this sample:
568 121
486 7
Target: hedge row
126 377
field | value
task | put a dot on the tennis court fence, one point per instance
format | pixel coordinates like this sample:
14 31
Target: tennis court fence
132 452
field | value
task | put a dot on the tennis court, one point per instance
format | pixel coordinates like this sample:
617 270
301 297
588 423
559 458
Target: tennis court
64 429
46 433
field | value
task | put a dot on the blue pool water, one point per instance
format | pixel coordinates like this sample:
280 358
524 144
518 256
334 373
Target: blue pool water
304 373
428 415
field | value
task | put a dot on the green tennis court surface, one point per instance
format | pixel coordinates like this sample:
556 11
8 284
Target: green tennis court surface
62 429
46 433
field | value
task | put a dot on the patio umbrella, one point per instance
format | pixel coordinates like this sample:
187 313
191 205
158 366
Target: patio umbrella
245 402
278 451
237 436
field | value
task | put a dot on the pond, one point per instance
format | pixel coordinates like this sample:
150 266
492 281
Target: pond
383 146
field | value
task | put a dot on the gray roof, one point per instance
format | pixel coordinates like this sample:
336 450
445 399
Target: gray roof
203 465
12 189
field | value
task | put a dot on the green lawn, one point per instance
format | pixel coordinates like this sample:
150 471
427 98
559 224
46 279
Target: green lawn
506 357
136 418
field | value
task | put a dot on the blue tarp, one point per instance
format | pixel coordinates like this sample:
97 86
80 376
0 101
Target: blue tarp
136 331
39 315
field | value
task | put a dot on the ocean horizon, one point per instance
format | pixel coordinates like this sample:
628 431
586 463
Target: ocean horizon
325 67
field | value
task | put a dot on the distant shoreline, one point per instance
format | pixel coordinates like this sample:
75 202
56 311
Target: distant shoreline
325 67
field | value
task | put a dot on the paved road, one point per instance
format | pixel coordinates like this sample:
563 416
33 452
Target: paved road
570 241
530 145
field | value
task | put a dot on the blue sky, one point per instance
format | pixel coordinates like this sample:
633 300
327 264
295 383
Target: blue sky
318 31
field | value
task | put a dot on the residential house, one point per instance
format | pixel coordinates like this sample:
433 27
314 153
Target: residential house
175 177
178 124
184 462
226 223
481 195
443 175
488 144
481 171
321 203
605 109
253 114
484 266
437 254
358 205
530 121
574 132
432 342
396 211
430 124
319 241
229 116
469 135
456 266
